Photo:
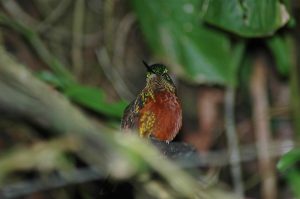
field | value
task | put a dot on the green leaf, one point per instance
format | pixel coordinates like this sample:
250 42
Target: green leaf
293 177
173 31
288 160
248 18
237 58
288 166
281 49
89 97
50 78
94 99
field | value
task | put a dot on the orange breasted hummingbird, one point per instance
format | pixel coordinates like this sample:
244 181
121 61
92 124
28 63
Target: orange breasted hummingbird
156 111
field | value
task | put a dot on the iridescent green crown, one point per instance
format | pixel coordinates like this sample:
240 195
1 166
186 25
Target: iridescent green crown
158 69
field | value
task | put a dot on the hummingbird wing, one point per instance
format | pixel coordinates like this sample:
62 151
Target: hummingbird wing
128 117
131 114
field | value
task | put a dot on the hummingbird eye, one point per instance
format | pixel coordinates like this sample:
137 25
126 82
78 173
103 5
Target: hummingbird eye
168 78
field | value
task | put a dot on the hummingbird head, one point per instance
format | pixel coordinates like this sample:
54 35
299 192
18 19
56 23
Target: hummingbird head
158 77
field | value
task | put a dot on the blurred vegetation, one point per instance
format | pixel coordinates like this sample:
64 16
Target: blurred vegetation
69 68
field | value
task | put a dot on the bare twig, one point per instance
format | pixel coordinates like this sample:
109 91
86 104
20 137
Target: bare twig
38 45
120 43
17 12
233 146
78 20
108 69
222 157
294 86
109 55
109 24
262 129
62 179
53 16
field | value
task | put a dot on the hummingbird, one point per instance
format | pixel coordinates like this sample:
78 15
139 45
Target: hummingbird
156 111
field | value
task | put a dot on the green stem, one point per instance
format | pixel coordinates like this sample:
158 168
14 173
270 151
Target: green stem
294 87
78 22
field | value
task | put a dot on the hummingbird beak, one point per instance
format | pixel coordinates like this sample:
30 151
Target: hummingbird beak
148 67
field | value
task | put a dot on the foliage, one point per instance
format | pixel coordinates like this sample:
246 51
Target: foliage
91 98
178 31
288 166
86 96
206 40
247 18
95 99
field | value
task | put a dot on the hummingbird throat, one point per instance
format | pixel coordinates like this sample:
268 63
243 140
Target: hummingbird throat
156 83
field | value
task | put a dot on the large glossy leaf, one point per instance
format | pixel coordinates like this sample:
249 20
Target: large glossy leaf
174 32
249 18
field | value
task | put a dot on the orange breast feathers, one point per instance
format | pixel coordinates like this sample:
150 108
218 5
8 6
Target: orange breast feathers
161 117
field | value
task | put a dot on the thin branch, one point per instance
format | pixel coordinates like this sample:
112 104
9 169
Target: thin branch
233 146
40 48
17 12
120 44
294 86
64 178
78 22
262 128
111 74
54 15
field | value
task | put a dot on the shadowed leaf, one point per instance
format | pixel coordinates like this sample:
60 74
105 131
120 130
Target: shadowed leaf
94 99
248 18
